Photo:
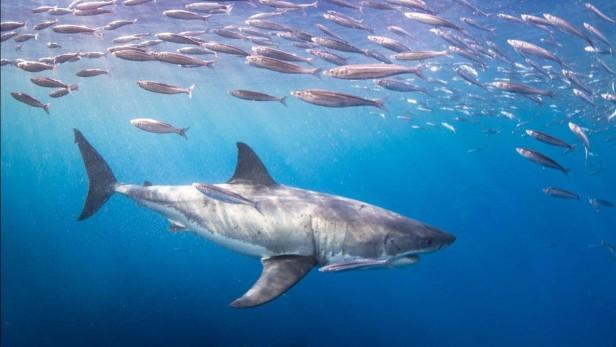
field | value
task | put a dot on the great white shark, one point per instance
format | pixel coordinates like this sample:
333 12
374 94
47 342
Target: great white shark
292 231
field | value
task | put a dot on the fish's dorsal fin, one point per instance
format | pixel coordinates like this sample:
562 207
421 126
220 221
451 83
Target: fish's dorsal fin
279 274
147 184
250 169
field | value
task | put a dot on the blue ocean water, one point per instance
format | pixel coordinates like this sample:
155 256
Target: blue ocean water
521 271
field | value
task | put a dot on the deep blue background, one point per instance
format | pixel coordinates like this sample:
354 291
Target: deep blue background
520 272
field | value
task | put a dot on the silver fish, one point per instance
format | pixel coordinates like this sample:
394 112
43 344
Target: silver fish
179 38
346 21
194 50
287 5
48 82
597 33
339 45
584 96
328 31
45 24
549 139
224 48
280 66
163 88
181 59
566 27
116 24
267 25
520 88
371 71
185 15
398 31
420 55
389 43
328 56
92 5
28 100
25 37
335 99
60 11
133 55
279 54
135 2
599 14
597 204
76 29
540 159
257 96
10 25
92 72
581 135
33 66
524 48
399 86
560 193
431 20
158 127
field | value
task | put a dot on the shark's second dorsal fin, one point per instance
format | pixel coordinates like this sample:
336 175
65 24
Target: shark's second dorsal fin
250 169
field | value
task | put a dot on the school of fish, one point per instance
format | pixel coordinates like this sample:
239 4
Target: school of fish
387 50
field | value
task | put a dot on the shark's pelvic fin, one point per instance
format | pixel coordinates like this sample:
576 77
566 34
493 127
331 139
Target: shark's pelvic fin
101 179
279 274
250 169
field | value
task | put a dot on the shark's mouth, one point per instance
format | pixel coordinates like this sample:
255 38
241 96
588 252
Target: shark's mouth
367 263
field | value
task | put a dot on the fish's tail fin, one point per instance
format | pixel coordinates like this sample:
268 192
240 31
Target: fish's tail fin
46 108
418 71
314 4
569 149
190 90
101 180
317 72
98 32
283 100
183 132
380 103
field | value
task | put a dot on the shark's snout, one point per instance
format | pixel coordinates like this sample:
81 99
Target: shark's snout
420 238
444 239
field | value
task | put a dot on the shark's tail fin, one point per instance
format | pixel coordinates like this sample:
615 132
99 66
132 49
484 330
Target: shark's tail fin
101 179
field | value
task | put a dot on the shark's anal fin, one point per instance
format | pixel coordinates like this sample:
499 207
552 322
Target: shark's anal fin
250 169
279 274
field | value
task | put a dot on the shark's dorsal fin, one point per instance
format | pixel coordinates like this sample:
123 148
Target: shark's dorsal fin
279 274
250 169
147 183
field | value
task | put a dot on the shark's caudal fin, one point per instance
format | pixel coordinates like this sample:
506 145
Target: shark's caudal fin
250 169
279 274
101 179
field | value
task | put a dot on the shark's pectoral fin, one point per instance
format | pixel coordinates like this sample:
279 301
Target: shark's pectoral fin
279 274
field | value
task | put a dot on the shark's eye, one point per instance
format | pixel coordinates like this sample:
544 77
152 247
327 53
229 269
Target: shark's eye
429 241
